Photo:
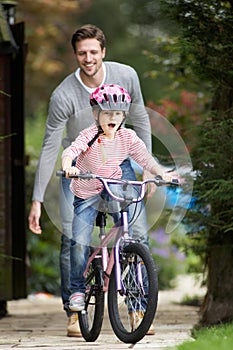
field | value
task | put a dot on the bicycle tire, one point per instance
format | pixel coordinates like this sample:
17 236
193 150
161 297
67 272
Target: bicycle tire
91 318
123 308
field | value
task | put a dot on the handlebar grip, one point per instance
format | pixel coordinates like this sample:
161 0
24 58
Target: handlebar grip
61 173
86 176
161 182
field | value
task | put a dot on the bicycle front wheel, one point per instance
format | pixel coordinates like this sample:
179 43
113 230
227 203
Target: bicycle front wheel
132 309
91 318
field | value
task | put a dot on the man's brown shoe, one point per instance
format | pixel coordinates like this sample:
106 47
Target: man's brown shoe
151 330
135 320
73 329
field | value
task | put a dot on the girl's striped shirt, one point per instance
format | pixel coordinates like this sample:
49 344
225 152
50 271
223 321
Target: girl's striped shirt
104 157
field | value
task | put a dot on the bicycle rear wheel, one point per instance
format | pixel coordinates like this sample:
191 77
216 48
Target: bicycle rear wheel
91 318
132 309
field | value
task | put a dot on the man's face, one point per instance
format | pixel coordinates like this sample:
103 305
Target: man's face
89 56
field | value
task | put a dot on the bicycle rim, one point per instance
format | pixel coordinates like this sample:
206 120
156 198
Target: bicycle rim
132 310
91 318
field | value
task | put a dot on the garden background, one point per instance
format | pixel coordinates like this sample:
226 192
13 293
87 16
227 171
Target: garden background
183 54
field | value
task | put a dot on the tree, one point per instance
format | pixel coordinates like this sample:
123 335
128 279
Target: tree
206 47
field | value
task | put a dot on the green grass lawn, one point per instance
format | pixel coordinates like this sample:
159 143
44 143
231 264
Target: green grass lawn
213 338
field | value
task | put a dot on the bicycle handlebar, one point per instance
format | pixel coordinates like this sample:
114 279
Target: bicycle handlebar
107 181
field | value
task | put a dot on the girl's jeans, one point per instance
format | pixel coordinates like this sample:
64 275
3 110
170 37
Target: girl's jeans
67 209
85 213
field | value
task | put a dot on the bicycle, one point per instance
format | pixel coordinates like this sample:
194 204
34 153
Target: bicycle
126 271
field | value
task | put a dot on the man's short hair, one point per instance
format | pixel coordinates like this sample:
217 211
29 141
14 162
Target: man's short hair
88 31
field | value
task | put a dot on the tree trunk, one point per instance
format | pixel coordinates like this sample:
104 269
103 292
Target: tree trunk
218 304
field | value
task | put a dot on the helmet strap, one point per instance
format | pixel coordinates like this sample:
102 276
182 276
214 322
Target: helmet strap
122 120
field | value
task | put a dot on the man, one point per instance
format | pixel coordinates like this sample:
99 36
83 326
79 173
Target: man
69 107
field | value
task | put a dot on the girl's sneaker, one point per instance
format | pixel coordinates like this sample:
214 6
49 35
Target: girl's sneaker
77 302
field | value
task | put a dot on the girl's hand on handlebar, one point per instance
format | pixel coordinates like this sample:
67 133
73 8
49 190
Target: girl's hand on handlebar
71 171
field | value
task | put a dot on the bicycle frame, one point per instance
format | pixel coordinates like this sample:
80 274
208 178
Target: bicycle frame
108 260
132 284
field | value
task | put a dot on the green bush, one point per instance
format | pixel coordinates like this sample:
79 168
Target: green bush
42 250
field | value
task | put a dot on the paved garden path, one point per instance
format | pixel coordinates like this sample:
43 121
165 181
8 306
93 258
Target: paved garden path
39 323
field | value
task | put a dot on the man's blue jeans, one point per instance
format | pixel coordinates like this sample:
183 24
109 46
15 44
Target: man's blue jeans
67 210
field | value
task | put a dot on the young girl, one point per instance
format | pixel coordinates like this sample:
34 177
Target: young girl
101 149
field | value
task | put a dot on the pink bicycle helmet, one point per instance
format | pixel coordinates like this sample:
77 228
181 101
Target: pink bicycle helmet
111 97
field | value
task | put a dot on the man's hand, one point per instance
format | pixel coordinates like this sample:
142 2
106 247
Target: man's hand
150 186
171 175
34 218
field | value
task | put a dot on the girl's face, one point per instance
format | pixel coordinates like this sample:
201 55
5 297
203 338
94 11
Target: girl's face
110 122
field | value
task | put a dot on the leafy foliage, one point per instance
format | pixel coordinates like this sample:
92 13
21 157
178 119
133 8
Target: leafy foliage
205 38
214 185
186 113
206 28
43 251
204 41
44 274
